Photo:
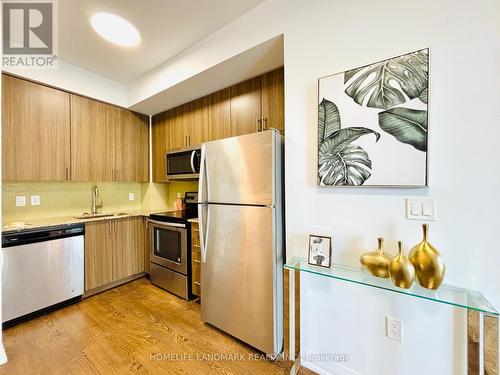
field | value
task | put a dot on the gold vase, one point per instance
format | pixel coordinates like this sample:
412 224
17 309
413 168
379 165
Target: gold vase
377 262
401 270
428 263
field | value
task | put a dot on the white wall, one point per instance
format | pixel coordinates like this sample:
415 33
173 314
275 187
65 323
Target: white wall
75 79
324 37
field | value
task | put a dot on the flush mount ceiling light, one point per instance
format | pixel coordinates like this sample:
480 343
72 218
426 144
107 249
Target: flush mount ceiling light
115 29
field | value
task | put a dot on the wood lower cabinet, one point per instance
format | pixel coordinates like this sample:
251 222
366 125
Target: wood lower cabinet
245 107
195 260
128 247
114 250
98 254
35 132
147 244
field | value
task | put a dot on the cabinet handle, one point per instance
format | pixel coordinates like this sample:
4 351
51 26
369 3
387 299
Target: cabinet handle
66 173
114 226
117 174
264 123
259 124
189 139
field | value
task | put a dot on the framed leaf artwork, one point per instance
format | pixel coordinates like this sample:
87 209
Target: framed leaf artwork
372 124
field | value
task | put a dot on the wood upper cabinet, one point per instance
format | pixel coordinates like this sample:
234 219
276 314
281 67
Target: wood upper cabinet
92 140
178 123
245 107
35 131
114 250
108 143
160 142
198 130
219 115
131 147
98 254
273 100
248 107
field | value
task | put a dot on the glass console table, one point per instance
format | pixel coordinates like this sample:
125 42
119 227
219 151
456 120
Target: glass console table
481 315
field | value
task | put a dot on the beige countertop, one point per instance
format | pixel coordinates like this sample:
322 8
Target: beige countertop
194 220
65 220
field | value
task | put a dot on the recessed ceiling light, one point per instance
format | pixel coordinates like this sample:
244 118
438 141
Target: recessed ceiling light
115 29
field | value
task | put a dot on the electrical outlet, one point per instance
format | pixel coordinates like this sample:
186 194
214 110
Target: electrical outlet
393 329
131 196
35 200
20 200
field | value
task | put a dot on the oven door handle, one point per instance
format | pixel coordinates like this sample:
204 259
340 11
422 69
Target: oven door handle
177 225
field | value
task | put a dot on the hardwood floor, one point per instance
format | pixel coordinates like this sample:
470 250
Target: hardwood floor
135 328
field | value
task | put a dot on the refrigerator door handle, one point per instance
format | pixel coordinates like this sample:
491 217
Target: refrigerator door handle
204 235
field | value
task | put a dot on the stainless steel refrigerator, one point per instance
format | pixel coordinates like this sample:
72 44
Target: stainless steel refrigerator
241 236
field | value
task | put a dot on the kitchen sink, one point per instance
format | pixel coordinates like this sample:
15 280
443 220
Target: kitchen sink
95 216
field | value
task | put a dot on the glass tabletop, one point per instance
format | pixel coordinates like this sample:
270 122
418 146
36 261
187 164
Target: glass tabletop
447 294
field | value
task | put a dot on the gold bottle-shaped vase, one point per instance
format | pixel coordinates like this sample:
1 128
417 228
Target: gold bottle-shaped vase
428 263
401 270
377 262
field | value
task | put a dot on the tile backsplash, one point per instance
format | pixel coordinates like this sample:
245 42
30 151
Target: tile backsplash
74 198
67 198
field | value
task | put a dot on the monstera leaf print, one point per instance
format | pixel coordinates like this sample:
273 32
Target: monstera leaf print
385 84
406 125
349 165
328 119
340 162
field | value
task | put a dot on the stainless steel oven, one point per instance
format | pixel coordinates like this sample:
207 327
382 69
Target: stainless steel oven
169 257
183 163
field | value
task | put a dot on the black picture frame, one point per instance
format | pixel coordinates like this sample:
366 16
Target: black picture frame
313 238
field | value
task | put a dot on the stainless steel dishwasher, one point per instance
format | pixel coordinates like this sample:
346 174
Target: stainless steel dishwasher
41 268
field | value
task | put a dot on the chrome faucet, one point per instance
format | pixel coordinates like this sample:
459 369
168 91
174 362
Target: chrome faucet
95 194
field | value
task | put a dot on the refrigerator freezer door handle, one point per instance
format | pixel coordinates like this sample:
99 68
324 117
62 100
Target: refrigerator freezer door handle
203 182
203 229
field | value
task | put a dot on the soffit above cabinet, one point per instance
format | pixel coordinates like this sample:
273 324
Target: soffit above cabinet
251 63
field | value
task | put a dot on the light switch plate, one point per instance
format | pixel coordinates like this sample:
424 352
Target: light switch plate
421 208
131 196
20 200
35 200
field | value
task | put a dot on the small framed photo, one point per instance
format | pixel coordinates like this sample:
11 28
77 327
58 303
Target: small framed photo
320 251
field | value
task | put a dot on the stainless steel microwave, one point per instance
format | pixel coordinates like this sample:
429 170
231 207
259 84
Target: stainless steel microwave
183 163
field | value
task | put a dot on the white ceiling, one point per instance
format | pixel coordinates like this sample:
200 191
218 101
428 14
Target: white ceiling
167 27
